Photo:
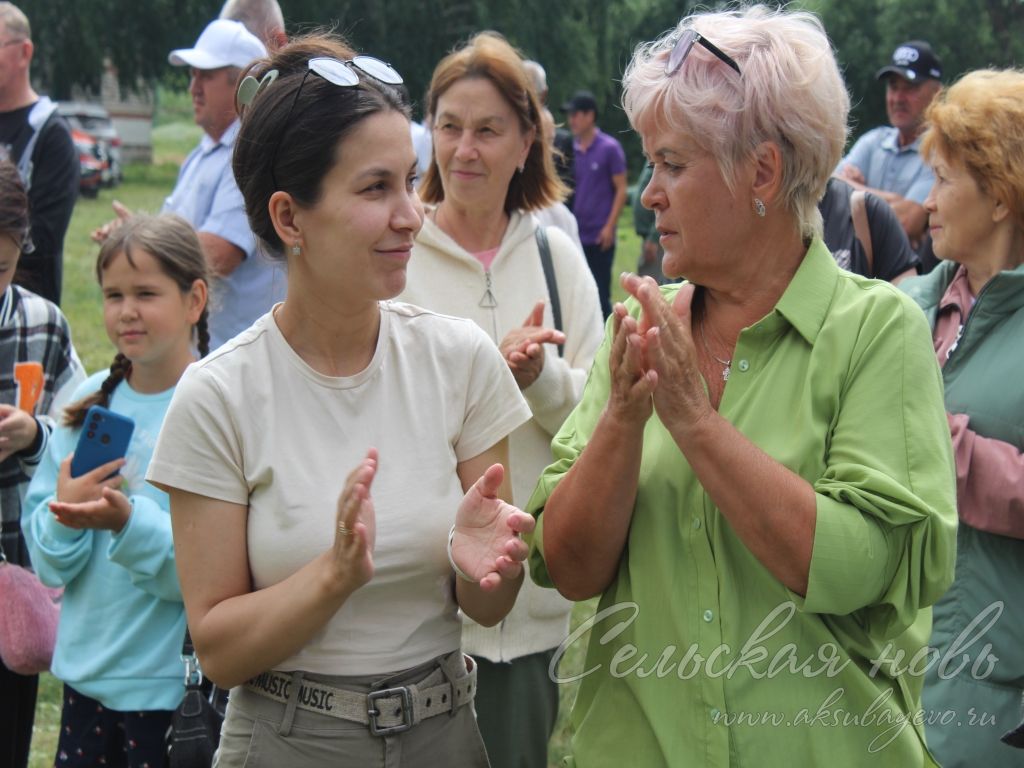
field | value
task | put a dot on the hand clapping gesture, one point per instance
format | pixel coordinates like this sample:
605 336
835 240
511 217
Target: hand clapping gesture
659 348
356 525
632 384
523 348
486 544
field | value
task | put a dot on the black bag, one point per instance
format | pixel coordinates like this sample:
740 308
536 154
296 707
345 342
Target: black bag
1015 738
195 724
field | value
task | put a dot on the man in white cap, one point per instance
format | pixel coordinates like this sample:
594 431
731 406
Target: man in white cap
886 160
206 195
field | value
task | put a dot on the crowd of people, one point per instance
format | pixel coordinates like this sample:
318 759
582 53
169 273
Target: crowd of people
389 425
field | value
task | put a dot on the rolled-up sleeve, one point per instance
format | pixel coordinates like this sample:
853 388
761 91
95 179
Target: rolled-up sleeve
885 535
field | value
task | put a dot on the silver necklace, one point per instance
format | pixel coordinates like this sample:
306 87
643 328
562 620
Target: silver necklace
726 364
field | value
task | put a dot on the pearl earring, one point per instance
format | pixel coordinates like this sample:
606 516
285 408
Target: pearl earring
759 207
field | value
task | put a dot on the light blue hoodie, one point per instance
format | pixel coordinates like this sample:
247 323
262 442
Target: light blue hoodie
122 620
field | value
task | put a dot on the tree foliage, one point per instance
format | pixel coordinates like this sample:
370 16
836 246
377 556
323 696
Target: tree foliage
72 37
966 35
581 43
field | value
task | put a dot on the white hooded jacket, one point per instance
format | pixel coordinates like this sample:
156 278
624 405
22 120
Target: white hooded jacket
445 278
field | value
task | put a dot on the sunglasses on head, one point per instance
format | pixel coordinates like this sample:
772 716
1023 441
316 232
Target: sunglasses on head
344 75
685 44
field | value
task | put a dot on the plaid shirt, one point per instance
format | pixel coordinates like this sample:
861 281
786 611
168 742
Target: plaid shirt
31 330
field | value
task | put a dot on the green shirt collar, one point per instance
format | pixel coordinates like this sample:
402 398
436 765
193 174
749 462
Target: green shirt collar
806 300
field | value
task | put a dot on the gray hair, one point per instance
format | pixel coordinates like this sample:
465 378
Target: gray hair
15 20
790 93
537 75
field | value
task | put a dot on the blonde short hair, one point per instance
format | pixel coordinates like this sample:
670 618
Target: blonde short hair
790 93
979 121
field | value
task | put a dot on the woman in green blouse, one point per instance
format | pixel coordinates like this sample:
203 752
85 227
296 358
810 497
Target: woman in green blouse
758 482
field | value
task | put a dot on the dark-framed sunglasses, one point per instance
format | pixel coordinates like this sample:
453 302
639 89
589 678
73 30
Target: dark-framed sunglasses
684 45
344 75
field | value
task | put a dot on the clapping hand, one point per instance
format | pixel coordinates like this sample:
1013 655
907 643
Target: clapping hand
486 544
523 348
632 382
356 526
664 347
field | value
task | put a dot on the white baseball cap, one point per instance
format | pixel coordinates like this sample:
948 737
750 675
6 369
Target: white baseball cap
224 43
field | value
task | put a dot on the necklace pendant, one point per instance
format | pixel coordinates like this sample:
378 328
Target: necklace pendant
725 372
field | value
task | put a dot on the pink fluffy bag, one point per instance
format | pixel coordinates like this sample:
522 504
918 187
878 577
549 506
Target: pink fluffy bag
29 612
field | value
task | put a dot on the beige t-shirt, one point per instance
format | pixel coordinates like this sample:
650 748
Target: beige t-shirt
253 424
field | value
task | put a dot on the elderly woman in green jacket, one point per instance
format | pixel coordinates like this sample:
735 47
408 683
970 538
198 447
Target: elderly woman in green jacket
975 302
758 482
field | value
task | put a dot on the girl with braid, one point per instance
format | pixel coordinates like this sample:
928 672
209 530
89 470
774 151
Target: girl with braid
106 535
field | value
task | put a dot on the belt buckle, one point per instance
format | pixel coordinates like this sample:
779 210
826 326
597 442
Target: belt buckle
373 712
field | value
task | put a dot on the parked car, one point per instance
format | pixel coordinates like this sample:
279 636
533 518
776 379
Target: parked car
93 122
93 166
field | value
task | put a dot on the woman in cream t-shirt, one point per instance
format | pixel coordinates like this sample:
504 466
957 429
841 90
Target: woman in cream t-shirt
332 468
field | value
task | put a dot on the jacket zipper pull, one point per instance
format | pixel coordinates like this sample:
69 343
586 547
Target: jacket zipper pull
488 301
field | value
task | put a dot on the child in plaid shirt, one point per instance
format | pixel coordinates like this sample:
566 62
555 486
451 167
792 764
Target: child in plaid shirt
39 370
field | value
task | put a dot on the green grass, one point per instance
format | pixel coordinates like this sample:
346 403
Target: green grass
144 189
173 106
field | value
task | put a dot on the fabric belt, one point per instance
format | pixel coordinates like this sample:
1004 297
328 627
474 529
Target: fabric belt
385 711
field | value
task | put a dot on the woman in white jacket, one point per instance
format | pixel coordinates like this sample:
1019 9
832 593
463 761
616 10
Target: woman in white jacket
477 256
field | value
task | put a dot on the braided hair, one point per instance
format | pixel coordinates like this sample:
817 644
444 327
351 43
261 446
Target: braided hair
173 243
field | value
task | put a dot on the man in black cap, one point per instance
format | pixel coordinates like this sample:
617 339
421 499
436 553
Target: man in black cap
886 160
599 167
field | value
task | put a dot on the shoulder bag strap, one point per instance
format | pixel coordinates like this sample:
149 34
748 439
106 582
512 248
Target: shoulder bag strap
549 278
859 213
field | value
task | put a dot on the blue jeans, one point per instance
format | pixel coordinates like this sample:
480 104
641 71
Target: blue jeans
600 263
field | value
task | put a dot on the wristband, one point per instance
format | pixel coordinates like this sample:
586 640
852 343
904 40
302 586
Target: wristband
451 560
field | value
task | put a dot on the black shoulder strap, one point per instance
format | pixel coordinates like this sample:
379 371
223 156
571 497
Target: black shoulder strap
549 278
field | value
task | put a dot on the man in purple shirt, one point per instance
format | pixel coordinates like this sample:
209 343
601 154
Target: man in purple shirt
600 171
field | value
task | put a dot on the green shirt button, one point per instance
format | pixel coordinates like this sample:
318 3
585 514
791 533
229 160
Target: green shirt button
696 523
744 365
708 616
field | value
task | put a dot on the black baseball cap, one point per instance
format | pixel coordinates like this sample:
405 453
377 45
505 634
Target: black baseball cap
581 101
914 61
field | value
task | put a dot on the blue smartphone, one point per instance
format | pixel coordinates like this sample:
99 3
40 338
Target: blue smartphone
105 437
